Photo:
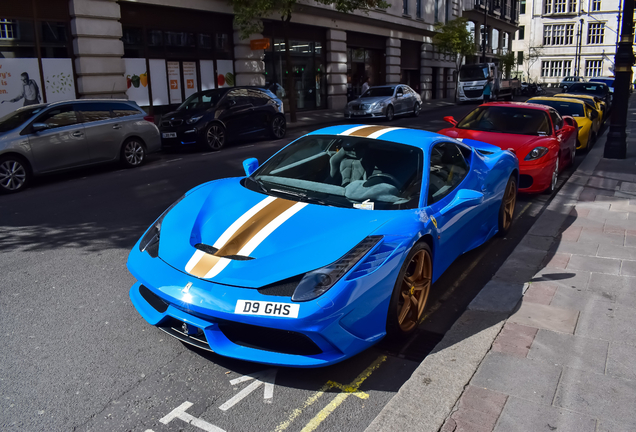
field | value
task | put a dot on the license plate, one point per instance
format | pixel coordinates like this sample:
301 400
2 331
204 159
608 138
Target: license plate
359 113
169 134
255 307
474 88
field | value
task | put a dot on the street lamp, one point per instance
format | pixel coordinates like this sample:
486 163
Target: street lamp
579 41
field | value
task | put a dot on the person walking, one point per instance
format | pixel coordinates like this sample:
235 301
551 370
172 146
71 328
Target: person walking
30 91
366 85
487 90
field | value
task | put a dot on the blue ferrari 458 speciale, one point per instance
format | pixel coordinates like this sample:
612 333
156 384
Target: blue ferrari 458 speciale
326 248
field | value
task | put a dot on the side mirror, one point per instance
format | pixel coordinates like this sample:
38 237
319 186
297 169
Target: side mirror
250 165
569 121
464 198
594 115
451 120
37 127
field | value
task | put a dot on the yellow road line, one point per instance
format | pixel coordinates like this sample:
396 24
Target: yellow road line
298 411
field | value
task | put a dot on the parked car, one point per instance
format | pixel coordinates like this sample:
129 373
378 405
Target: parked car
44 138
386 102
254 268
600 90
543 140
592 101
212 118
609 81
569 80
587 118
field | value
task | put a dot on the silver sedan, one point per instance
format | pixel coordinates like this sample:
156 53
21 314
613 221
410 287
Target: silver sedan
385 102
44 138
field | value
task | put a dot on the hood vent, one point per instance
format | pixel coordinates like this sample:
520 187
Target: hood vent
212 251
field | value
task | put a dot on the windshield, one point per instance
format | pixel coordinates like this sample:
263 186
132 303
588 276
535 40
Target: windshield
18 117
378 92
590 88
202 100
343 171
573 109
522 121
607 81
473 73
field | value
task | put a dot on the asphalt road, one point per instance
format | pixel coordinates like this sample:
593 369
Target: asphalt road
75 354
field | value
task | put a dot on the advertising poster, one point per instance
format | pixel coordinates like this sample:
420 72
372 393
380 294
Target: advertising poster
19 84
207 74
225 73
58 79
159 82
190 78
137 81
174 81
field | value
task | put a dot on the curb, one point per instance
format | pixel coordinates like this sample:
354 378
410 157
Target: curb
430 395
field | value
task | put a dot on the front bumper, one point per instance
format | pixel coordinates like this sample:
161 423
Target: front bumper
344 321
368 113
185 135
536 177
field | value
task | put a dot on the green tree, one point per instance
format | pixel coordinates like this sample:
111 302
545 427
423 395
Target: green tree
248 15
507 62
455 38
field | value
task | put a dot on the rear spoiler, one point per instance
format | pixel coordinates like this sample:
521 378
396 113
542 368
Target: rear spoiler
481 146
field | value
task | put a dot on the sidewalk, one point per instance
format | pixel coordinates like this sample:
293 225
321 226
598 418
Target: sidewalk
549 344
318 117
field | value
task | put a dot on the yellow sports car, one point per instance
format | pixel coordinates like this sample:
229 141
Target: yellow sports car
591 101
587 119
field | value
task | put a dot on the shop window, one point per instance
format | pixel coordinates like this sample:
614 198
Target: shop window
17 39
223 46
133 42
54 37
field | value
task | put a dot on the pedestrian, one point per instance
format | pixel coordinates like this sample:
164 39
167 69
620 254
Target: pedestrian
30 91
366 85
487 90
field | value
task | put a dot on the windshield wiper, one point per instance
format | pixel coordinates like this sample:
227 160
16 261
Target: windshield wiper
302 197
260 185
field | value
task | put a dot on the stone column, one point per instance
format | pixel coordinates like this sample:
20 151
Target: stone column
249 66
98 48
426 71
336 69
393 59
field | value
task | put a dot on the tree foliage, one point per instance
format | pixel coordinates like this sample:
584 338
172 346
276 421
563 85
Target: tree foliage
507 62
454 37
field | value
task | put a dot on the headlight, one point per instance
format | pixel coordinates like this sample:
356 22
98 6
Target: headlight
150 241
536 153
379 104
194 119
316 283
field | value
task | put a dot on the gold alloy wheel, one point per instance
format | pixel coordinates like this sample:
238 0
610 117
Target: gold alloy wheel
510 199
414 290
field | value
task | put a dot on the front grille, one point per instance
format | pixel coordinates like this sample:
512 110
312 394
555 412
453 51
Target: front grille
355 107
525 181
174 328
153 299
171 123
473 93
269 339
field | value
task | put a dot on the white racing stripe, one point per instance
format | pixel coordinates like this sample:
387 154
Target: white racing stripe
198 254
381 132
353 129
217 268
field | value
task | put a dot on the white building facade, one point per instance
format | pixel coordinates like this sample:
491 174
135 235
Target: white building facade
559 38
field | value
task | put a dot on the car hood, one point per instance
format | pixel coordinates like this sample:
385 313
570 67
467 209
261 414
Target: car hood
184 114
291 238
520 144
369 100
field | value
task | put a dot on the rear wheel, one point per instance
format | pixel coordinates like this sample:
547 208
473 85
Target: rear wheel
14 174
133 153
390 113
507 209
411 291
278 128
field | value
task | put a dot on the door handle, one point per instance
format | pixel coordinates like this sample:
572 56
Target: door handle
77 134
116 126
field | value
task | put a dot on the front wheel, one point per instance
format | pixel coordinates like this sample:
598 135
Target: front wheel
133 153
390 114
411 291
278 128
555 177
14 175
507 208
215 137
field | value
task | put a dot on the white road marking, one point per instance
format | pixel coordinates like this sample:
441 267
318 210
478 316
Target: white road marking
266 377
180 413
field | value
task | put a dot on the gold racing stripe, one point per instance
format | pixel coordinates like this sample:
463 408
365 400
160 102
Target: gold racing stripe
365 132
243 235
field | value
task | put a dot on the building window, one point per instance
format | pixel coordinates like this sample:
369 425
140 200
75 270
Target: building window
405 7
418 8
520 58
556 68
593 68
558 34
522 7
522 31
596 5
7 29
547 6
595 32
559 6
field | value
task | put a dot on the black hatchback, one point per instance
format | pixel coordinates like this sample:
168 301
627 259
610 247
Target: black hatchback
211 118
600 90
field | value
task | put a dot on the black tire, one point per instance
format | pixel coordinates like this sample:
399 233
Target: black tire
554 181
390 113
15 174
393 327
278 127
505 213
133 153
416 109
214 137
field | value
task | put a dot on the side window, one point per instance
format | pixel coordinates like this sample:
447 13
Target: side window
58 117
90 112
258 98
556 120
240 96
399 92
122 109
447 170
